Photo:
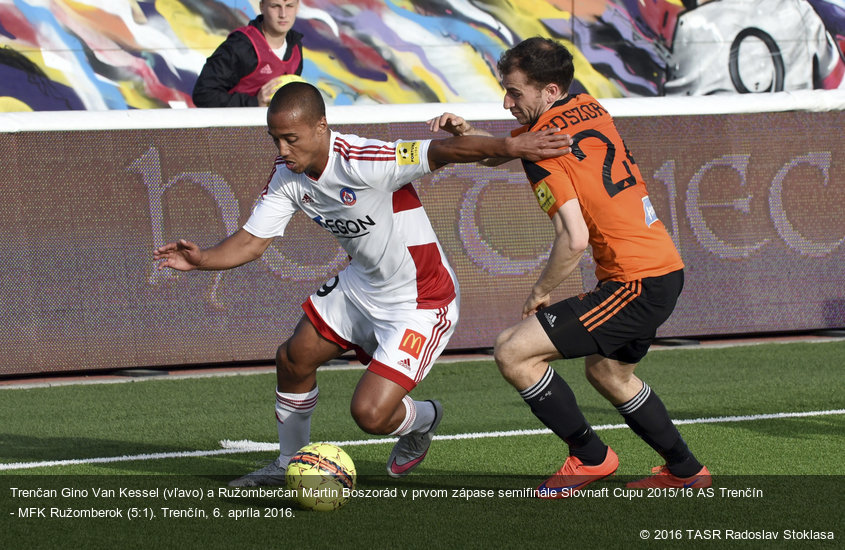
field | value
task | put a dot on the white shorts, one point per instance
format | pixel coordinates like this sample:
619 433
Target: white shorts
400 343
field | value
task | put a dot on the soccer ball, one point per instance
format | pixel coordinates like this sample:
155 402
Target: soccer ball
322 475
286 79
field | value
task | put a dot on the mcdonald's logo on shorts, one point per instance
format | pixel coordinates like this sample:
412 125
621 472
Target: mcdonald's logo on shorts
412 343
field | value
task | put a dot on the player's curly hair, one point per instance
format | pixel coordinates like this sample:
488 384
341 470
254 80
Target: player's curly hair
542 60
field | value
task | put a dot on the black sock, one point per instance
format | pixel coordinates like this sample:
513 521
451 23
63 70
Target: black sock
647 417
552 401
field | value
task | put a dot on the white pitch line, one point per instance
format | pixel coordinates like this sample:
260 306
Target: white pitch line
246 446
252 446
108 459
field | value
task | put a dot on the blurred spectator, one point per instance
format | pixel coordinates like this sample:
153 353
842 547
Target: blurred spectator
253 61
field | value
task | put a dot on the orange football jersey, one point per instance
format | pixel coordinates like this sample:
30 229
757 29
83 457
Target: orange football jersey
627 239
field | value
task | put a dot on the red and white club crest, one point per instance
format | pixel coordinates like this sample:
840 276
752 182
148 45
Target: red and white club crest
348 197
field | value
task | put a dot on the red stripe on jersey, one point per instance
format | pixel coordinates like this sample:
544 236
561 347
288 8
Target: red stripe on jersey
342 143
369 158
406 198
373 149
366 152
434 284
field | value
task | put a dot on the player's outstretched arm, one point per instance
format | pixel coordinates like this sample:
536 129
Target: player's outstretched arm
531 146
455 125
459 126
536 146
237 249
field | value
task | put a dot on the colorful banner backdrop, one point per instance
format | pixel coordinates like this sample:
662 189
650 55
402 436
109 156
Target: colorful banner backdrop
133 54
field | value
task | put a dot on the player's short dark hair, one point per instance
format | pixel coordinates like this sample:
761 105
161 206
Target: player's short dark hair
299 96
543 61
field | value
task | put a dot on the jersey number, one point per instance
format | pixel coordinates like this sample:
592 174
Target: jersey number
328 286
612 187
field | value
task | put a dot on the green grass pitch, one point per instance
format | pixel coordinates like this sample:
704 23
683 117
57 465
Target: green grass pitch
774 474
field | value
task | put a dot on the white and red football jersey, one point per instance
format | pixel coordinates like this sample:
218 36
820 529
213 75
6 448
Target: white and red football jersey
365 198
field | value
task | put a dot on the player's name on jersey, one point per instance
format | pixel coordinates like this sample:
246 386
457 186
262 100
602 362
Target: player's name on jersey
575 115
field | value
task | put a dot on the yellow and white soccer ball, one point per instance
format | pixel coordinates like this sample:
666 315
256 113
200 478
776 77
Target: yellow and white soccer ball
322 475
286 79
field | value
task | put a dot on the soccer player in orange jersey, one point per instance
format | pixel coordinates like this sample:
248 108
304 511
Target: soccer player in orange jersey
594 196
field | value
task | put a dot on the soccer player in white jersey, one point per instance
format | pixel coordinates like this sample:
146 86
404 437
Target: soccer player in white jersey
396 303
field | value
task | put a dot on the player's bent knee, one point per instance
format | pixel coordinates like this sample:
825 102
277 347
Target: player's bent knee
370 419
289 369
593 377
605 378
501 349
601 378
508 358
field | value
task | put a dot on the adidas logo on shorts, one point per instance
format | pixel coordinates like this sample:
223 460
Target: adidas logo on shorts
551 319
